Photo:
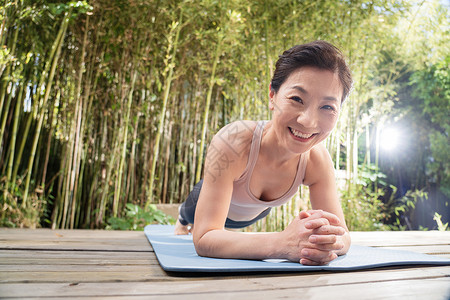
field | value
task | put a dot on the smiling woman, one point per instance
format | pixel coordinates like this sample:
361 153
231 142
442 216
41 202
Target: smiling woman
308 102
252 166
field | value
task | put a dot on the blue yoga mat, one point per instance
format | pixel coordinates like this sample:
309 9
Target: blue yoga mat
176 253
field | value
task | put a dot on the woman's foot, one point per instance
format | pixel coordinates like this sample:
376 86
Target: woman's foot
181 229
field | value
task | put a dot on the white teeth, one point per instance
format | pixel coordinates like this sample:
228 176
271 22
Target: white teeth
299 134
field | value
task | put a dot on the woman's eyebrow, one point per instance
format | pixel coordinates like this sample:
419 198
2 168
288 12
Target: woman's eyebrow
330 98
302 90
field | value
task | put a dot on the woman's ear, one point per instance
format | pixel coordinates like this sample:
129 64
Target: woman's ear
271 95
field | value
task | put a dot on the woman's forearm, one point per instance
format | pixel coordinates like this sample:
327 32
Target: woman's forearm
313 232
239 245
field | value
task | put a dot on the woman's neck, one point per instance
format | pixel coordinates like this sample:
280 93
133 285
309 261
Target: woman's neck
271 149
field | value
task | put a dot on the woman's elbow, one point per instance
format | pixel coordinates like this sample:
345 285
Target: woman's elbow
201 244
346 240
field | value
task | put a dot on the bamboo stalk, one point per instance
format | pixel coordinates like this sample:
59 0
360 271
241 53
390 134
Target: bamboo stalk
75 161
3 27
56 213
35 107
18 159
78 194
47 152
124 145
166 164
109 172
11 83
78 119
194 140
367 145
147 145
58 44
355 141
212 81
15 126
88 120
131 180
170 65
68 191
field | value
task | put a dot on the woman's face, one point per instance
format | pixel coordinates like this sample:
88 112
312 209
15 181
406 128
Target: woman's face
306 108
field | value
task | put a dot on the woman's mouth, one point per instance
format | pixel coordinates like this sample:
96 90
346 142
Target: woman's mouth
300 136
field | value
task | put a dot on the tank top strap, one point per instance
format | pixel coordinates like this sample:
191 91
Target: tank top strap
301 171
254 149
256 144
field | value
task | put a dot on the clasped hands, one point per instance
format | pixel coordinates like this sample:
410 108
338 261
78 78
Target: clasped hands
314 237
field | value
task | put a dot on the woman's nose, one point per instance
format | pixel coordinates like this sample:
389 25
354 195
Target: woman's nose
308 118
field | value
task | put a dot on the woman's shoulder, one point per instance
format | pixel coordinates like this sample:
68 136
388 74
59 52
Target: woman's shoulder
319 154
240 128
319 163
235 137
230 147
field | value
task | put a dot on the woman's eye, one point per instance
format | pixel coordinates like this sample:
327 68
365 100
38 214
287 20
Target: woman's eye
328 107
297 99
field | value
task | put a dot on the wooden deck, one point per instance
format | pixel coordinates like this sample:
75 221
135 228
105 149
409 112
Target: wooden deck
85 264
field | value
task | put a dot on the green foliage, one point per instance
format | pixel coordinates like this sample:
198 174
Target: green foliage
432 86
82 7
136 218
362 209
404 206
17 216
361 201
441 226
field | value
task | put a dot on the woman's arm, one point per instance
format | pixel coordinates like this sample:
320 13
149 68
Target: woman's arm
210 238
225 161
323 196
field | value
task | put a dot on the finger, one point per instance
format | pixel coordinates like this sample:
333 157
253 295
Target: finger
314 211
318 256
322 239
328 230
307 262
316 223
303 215
334 246
328 247
332 218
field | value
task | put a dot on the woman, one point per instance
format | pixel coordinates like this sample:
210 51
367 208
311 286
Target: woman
253 166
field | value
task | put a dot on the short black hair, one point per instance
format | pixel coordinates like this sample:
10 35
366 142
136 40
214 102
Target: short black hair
319 54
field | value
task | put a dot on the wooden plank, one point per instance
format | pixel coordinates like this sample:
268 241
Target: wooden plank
13 233
439 250
150 274
73 239
140 244
431 289
66 240
232 286
81 255
63 268
400 238
124 261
